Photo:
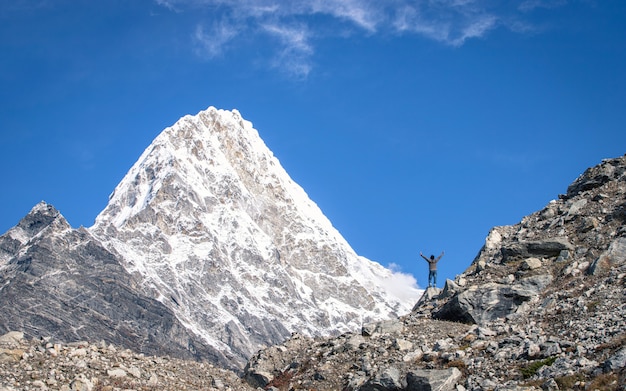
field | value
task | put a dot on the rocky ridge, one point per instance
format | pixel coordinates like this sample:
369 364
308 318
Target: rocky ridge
60 282
543 306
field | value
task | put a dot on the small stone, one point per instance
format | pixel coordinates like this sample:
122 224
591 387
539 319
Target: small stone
531 264
117 373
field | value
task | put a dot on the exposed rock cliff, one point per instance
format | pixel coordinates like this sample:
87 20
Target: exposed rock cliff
59 282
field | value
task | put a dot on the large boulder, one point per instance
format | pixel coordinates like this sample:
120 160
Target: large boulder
541 248
391 379
484 303
432 379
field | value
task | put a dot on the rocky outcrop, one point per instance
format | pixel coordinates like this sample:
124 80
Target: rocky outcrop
613 257
542 306
62 283
484 303
541 248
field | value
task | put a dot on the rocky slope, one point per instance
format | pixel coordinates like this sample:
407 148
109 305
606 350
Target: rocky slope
542 306
46 364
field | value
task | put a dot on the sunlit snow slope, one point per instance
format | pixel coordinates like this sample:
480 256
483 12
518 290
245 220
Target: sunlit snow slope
217 231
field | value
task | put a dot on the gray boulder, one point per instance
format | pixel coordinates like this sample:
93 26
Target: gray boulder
541 248
389 380
432 379
415 380
392 326
487 302
617 361
614 256
429 294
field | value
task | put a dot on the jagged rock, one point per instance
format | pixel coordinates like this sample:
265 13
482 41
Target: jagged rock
389 380
613 257
449 289
530 264
64 284
595 177
528 249
616 362
432 380
385 327
81 383
484 303
429 294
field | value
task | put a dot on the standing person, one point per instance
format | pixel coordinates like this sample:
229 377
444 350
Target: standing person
432 268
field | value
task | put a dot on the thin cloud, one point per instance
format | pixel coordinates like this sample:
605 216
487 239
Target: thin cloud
531 5
295 56
451 23
212 42
289 23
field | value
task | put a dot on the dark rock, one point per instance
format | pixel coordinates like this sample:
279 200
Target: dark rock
616 362
527 249
62 283
597 176
389 380
614 256
429 294
487 302
432 380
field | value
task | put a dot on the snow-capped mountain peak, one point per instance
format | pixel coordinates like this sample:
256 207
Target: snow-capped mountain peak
217 231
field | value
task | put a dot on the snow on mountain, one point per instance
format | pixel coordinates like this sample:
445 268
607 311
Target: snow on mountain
217 231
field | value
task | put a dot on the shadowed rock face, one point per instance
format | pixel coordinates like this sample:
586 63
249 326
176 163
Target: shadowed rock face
59 282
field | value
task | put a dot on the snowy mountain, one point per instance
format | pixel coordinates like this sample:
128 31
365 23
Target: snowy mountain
210 225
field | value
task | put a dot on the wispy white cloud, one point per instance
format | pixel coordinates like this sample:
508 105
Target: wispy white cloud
294 25
296 48
449 22
212 41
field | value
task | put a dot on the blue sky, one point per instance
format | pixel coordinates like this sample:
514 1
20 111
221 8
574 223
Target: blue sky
416 125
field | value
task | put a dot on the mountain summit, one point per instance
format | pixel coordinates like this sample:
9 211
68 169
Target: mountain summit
212 226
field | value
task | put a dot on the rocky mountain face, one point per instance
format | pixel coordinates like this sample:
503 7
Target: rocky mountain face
60 282
207 249
543 306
